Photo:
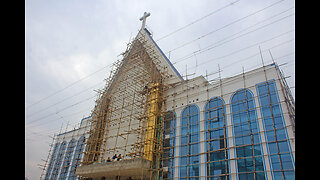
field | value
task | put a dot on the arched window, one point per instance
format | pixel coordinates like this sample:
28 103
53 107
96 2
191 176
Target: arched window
52 160
247 136
275 130
169 143
189 143
67 159
77 157
216 141
57 165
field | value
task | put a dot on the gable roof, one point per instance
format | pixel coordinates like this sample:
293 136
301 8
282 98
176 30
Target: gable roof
174 75
162 63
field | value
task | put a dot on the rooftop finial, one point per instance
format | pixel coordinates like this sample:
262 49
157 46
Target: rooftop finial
143 19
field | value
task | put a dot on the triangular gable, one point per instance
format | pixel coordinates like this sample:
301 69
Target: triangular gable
157 56
174 75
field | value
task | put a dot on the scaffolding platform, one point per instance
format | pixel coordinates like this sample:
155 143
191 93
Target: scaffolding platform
134 168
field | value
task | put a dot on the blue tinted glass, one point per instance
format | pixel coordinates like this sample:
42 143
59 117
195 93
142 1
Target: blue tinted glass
273 97
184 150
273 148
183 171
278 122
246 139
263 89
194 148
213 145
243 176
257 150
216 137
190 134
194 128
268 123
256 138
283 147
183 161
194 159
270 136
259 163
271 86
184 139
260 176
276 109
266 111
281 134
245 165
254 127
194 137
278 175
239 141
275 162
264 99
218 155
194 170
289 175
184 130
286 161
247 133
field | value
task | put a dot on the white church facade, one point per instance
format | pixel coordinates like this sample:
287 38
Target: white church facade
167 127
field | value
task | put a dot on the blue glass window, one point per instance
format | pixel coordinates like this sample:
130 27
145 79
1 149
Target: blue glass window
77 157
67 159
57 165
216 142
52 160
273 120
168 148
189 143
247 141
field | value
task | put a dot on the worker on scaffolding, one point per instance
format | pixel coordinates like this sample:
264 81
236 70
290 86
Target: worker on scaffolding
114 157
119 157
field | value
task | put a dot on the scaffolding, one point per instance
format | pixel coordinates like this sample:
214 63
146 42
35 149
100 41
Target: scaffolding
127 118
134 115
131 117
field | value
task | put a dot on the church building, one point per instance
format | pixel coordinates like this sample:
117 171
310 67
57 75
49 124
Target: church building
151 123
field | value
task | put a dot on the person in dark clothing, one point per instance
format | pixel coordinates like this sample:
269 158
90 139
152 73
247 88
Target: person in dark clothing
108 160
114 157
119 157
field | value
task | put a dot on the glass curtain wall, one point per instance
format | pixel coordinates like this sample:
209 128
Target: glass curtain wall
52 159
169 144
247 136
189 161
57 165
216 142
67 160
282 165
77 158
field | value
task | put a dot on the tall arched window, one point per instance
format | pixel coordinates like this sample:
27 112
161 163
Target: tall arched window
52 160
77 157
247 136
275 130
216 141
67 159
169 143
57 165
190 143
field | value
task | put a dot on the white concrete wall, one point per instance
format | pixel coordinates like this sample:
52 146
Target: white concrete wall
198 91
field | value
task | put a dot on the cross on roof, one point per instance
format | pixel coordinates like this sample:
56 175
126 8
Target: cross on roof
143 19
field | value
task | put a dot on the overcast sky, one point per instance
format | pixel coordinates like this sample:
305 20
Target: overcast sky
70 45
